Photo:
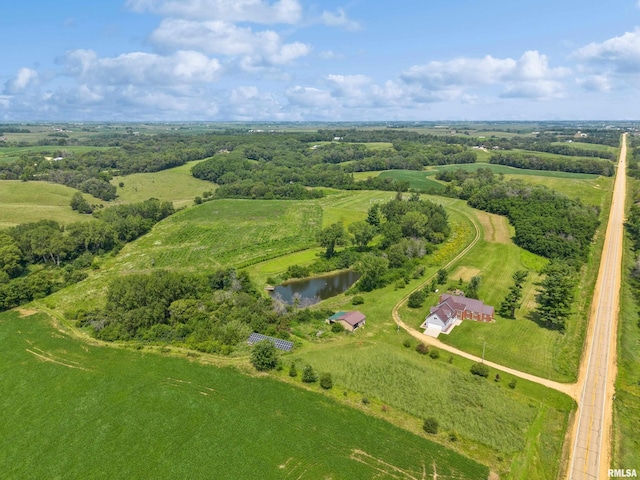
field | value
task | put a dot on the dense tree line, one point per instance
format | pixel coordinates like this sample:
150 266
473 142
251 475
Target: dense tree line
546 222
283 177
559 164
213 313
633 164
64 251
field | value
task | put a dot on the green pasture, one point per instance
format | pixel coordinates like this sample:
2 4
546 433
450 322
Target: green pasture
176 185
75 410
23 202
592 191
13 153
417 180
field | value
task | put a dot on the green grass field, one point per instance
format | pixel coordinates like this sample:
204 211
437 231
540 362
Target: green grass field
225 233
176 185
24 202
75 410
590 190
417 180
489 420
590 146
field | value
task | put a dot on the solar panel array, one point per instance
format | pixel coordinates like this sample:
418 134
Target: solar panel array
279 344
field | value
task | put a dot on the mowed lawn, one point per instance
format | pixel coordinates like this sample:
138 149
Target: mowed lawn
73 410
23 202
521 343
176 185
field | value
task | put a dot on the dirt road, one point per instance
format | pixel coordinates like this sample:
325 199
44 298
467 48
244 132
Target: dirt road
590 455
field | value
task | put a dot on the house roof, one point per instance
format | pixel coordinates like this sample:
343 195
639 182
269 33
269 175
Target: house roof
464 303
443 311
352 318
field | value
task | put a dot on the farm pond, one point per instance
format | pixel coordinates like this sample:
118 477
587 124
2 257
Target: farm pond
312 290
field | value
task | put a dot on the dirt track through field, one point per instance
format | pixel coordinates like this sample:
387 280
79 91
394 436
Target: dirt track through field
495 227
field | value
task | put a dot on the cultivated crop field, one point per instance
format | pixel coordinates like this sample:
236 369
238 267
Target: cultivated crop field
176 185
417 180
23 202
74 410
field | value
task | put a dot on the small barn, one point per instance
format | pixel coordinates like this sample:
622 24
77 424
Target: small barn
349 320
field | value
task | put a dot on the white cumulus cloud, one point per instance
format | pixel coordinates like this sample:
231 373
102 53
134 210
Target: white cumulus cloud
339 19
620 54
139 68
254 11
529 76
217 37
25 78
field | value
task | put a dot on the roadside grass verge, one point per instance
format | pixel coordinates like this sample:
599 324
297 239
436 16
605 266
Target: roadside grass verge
626 407
76 410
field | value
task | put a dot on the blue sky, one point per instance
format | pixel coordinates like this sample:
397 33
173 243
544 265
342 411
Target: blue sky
178 60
